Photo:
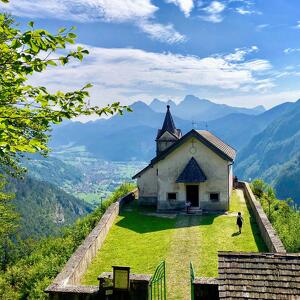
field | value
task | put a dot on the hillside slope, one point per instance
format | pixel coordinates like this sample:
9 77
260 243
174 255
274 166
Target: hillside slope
273 154
43 207
53 170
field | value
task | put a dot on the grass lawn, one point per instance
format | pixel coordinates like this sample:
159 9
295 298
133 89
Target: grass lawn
140 238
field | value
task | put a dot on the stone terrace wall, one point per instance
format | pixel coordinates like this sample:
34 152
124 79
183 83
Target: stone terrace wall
68 280
206 288
267 231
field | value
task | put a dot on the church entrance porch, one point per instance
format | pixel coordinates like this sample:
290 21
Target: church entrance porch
192 195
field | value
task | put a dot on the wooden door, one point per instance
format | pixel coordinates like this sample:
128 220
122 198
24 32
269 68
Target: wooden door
192 195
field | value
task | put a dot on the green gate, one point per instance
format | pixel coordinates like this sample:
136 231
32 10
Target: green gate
192 277
157 285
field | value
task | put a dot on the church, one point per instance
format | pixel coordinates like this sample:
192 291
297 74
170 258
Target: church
193 169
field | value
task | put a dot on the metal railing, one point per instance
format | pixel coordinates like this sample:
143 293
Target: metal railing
192 277
157 285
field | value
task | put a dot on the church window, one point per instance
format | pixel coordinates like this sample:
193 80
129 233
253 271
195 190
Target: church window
172 196
214 197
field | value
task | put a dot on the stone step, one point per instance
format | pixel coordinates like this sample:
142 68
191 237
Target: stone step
193 211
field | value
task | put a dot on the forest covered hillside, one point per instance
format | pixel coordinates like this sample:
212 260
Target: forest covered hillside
43 207
52 170
273 154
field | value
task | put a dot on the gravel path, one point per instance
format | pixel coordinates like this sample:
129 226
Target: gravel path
185 245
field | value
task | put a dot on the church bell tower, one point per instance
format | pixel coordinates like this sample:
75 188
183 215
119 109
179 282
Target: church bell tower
168 134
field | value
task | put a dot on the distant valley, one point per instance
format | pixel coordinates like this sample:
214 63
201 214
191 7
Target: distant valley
56 191
130 138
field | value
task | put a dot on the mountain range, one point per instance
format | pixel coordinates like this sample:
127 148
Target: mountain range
194 108
266 140
131 137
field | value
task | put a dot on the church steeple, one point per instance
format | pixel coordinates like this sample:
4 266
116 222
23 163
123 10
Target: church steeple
169 124
168 134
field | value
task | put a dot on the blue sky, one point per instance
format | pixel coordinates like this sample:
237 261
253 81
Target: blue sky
239 52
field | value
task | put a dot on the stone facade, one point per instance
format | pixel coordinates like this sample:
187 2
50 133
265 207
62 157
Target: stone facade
159 180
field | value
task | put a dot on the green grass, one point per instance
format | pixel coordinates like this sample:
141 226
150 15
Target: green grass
92 198
140 239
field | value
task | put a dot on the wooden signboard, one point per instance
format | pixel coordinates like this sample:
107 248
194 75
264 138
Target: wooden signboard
121 278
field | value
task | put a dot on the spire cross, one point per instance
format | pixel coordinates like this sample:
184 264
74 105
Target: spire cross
194 124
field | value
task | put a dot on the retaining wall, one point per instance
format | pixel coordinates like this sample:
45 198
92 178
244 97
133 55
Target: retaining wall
67 282
207 288
267 231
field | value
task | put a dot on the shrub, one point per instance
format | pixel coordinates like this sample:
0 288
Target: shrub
284 216
28 277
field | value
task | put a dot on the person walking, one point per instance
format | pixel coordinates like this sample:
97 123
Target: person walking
239 222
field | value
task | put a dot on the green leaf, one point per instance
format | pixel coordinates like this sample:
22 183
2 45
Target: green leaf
27 111
61 30
72 35
87 86
52 63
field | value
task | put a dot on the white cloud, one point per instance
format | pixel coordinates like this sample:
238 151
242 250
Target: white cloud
257 65
125 73
213 12
164 33
262 27
291 50
83 10
298 25
268 99
186 6
244 11
139 12
240 53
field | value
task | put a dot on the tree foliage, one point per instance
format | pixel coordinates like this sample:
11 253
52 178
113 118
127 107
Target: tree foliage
283 214
27 111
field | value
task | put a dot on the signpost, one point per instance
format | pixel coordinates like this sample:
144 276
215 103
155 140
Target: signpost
121 282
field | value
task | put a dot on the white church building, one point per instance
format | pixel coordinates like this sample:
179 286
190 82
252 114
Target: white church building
195 168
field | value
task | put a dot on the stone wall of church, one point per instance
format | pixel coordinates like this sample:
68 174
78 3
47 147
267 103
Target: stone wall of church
214 167
230 179
147 185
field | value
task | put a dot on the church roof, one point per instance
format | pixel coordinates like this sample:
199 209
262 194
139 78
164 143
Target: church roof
168 125
259 275
192 173
207 138
218 143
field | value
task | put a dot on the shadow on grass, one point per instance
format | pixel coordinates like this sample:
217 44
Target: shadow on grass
236 233
139 219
